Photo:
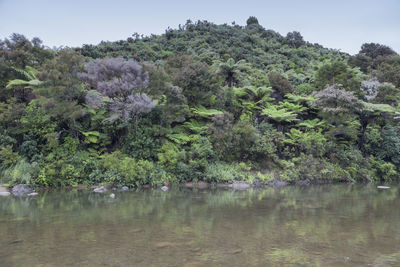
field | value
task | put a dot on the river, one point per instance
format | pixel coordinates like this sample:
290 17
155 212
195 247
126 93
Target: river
318 225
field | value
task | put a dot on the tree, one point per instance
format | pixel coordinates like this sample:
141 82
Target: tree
20 52
251 20
120 82
339 108
280 85
194 77
31 81
373 50
294 39
232 71
337 72
251 99
62 93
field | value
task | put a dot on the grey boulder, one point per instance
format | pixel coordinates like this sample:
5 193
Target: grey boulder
164 188
21 189
100 189
240 185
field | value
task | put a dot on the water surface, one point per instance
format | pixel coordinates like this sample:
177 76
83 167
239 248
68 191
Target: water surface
329 225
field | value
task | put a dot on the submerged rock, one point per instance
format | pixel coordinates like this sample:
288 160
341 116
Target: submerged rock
382 187
237 251
278 183
100 189
164 188
240 185
33 194
112 195
4 194
165 244
125 188
21 189
303 182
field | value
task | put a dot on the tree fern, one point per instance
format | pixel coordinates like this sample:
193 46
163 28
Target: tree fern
204 112
29 74
196 126
312 124
279 114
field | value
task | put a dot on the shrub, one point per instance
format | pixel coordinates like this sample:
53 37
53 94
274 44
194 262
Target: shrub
22 172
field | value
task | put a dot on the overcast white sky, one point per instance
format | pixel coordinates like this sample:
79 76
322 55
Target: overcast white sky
338 24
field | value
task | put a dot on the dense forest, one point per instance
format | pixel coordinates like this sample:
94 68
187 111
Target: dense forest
203 102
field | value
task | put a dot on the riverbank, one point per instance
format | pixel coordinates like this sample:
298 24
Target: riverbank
25 190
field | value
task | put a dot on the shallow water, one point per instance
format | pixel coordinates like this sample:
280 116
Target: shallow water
328 225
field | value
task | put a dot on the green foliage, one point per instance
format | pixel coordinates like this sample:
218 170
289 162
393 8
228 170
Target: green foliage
204 112
211 102
306 167
251 20
337 72
251 99
279 114
36 122
143 141
383 171
7 156
123 170
21 173
310 142
312 124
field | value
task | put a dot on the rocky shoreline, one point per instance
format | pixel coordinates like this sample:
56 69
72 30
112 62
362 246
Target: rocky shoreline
25 190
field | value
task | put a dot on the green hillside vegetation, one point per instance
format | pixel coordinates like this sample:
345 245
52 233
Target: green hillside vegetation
204 102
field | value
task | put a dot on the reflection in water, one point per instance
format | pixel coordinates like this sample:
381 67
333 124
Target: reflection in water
330 225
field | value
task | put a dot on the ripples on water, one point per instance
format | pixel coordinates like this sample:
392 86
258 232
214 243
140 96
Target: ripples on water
329 225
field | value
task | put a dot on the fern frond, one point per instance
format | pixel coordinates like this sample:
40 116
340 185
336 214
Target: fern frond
205 113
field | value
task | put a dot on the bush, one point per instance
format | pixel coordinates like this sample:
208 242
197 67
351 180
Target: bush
306 167
22 172
384 171
119 169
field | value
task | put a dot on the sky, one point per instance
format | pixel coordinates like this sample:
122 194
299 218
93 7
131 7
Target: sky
339 24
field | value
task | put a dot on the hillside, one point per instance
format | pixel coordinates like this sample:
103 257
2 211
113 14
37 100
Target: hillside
204 102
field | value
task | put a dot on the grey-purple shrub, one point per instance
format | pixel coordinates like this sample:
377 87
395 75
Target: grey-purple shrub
118 84
370 88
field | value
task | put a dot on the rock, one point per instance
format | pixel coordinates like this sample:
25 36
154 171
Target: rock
382 187
237 251
278 183
4 194
240 185
303 182
15 241
100 189
112 195
21 189
195 250
139 230
125 188
164 244
33 194
164 188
